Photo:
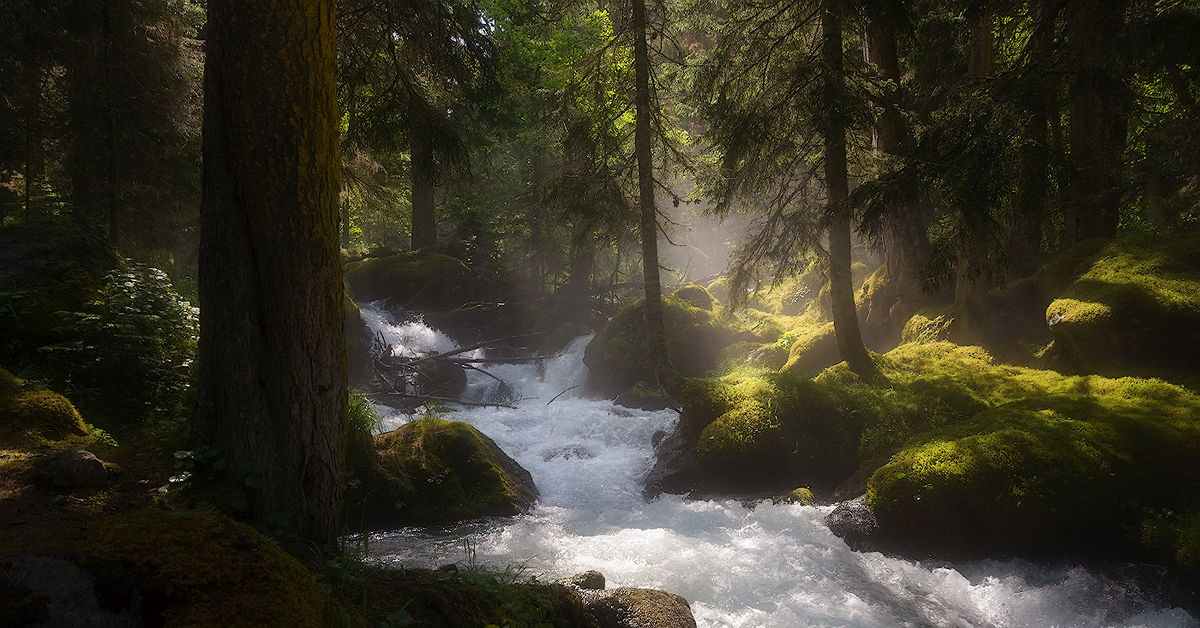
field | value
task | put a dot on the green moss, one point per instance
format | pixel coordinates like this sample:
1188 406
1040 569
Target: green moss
617 357
443 471
764 424
1029 458
696 295
1175 538
33 417
204 570
930 324
813 351
416 279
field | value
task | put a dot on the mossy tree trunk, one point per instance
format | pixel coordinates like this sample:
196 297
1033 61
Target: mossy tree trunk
271 393
841 288
656 335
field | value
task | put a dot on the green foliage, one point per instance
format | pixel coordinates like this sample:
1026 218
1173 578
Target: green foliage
129 359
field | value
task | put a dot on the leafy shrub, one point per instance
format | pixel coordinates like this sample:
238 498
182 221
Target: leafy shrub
129 358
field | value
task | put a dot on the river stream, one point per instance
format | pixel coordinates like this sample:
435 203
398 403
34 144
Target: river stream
771 566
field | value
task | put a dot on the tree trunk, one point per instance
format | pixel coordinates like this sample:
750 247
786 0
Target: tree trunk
656 334
1033 184
271 389
905 238
1098 124
841 288
86 110
970 280
424 214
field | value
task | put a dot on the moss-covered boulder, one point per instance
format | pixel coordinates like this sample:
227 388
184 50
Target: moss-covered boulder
1134 302
32 417
432 471
158 568
813 351
43 274
1045 462
629 607
423 279
756 434
617 357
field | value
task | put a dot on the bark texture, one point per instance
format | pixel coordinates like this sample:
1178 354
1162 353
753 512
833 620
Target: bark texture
271 394
424 206
841 288
655 333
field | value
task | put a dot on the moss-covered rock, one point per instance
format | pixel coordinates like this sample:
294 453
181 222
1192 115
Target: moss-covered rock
930 324
432 471
628 607
1135 301
617 357
423 279
32 417
184 569
756 434
813 352
1045 462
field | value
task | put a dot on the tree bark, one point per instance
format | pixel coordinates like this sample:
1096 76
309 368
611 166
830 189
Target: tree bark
1098 124
271 389
656 335
970 280
841 288
905 238
424 207
1033 184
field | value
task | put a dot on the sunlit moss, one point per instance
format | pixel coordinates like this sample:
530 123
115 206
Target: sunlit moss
33 417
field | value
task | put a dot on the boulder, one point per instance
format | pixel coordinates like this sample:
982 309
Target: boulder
617 357
755 434
813 352
590 580
423 279
855 523
156 567
628 607
432 471
32 417
73 469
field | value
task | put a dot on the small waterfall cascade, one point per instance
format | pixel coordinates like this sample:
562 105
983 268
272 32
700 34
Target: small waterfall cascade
775 566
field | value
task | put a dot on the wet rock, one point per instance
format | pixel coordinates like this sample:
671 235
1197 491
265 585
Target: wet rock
55 593
567 453
854 523
590 580
73 469
628 607
432 471
423 279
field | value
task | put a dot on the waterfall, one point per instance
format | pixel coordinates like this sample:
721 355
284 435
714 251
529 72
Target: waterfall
771 566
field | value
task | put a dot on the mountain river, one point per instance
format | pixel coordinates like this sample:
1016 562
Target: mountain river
772 566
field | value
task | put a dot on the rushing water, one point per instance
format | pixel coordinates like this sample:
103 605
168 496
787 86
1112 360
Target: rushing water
773 566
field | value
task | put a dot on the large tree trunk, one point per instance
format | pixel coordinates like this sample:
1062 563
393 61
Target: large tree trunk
85 95
970 280
656 334
841 287
271 392
424 207
1098 124
1033 184
905 238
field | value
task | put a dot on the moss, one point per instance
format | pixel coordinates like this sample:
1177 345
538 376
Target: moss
416 279
813 352
617 357
195 569
930 324
1026 458
432 471
1175 539
696 295
803 496
1131 301
33 417
770 427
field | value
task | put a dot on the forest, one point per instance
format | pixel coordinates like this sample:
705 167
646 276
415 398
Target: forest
919 277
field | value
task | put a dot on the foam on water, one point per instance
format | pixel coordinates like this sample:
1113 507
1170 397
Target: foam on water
774 566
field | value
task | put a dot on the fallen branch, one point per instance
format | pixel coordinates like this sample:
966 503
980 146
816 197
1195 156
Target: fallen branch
462 402
477 345
562 393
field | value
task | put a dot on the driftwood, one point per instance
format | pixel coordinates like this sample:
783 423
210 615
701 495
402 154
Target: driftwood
461 402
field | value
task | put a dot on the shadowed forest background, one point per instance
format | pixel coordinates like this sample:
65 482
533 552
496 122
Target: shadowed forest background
874 250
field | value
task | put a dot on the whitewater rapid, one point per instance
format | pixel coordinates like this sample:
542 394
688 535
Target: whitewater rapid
775 566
